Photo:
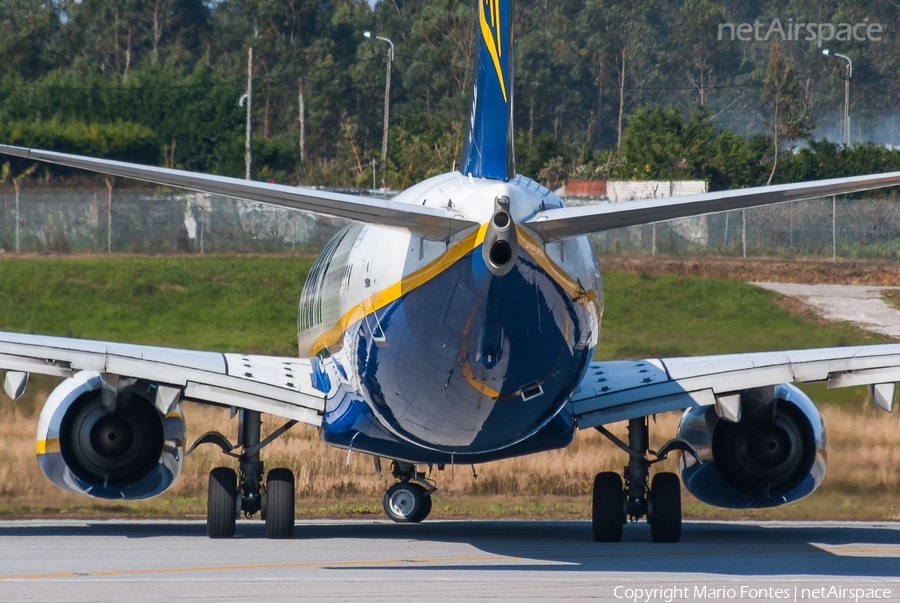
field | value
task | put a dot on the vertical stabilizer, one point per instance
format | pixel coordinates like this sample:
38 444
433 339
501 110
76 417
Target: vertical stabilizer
488 151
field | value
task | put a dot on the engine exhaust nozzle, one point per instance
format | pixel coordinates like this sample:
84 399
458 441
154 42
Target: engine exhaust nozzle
500 247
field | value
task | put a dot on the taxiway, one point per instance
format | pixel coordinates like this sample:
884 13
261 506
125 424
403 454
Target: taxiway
75 560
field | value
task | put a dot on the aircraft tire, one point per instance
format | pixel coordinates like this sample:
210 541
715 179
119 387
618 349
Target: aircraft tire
221 505
664 510
280 504
608 507
406 503
426 508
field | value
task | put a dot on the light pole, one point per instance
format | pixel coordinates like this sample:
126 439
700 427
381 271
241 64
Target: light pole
826 52
387 95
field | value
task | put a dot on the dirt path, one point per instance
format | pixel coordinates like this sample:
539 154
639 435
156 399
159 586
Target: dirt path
776 270
859 304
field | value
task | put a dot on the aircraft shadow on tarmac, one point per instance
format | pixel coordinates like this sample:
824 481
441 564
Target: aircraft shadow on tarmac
716 548
710 547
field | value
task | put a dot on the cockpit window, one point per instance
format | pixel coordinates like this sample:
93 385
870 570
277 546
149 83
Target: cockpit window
329 273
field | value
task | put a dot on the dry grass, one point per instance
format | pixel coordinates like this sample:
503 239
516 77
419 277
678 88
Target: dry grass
863 478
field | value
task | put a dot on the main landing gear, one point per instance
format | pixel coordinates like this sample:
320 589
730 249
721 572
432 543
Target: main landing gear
613 505
229 496
408 501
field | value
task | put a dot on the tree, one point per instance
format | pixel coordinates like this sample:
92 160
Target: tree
784 104
584 69
630 31
29 31
551 74
661 145
700 54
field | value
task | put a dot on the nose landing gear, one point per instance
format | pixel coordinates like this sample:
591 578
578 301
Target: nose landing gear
410 500
613 505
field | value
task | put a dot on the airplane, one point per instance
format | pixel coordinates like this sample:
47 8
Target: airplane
453 324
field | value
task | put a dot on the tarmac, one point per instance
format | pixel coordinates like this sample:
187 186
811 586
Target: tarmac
78 560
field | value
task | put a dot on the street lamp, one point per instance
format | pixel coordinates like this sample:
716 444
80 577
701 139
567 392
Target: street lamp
387 95
826 52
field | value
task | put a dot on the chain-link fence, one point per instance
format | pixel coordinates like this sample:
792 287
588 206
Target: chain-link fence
149 221
826 228
143 221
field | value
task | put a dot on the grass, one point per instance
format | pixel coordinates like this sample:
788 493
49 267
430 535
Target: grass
222 303
892 297
650 315
249 304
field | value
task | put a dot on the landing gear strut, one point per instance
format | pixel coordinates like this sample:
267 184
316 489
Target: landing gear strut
229 496
660 501
408 501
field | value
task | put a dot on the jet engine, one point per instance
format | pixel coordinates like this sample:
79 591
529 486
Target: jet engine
758 448
110 437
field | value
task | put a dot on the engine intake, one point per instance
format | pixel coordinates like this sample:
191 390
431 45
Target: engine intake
773 455
126 449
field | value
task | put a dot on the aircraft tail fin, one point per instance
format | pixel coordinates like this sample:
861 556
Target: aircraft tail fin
488 151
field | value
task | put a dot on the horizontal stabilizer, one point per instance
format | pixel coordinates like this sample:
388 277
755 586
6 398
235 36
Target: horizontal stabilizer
562 223
431 223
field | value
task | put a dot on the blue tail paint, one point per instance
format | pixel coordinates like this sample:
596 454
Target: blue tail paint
488 151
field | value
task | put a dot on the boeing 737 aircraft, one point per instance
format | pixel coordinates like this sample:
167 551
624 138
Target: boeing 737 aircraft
453 324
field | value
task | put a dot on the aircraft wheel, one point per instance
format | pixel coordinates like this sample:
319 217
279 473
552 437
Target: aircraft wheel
664 508
221 505
426 508
280 504
608 507
407 503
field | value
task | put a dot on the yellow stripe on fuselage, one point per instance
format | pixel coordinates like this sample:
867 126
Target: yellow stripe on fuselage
395 291
432 269
540 256
48 446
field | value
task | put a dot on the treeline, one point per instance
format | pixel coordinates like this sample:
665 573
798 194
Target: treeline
663 144
604 88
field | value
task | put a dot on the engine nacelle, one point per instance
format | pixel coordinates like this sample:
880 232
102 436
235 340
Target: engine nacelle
775 453
126 451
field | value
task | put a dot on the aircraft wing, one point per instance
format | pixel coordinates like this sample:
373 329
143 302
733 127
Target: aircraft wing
268 384
431 223
561 223
618 390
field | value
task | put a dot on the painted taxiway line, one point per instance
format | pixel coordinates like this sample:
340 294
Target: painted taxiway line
438 560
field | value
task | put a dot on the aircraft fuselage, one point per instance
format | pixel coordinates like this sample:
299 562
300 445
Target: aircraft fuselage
445 357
